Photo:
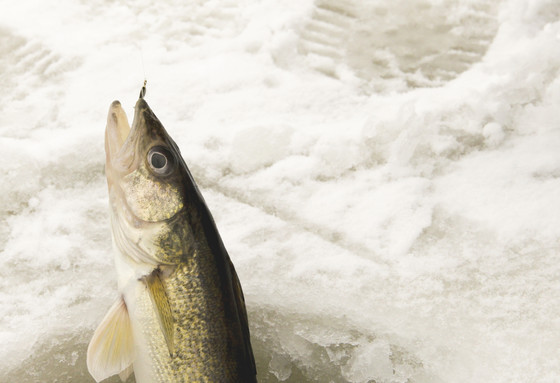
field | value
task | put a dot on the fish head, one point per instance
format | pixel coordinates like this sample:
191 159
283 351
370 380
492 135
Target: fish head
146 183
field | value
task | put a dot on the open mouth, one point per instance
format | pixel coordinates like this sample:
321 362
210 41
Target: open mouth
117 130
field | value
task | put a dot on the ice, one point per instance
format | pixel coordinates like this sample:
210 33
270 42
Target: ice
385 176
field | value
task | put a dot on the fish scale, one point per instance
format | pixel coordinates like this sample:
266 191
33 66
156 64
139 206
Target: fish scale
200 339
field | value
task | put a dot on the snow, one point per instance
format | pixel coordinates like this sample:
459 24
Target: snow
385 176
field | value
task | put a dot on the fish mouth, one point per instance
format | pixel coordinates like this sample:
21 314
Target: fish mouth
126 147
124 144
117 130
122 141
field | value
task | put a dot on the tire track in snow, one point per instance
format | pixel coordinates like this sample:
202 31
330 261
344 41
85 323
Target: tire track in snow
28 66
326 34
336 238
199 21
400 44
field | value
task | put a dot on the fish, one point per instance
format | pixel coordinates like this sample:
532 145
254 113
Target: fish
180 315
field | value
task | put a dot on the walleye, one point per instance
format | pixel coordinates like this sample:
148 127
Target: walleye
181 314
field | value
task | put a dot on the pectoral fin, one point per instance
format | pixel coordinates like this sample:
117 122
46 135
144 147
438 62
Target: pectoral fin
163 308
111 349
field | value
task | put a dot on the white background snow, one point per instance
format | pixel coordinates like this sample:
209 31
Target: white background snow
385 175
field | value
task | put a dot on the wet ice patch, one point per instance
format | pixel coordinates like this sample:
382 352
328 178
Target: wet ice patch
60 358
310 350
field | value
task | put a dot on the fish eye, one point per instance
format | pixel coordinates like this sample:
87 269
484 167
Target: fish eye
161 160
158 160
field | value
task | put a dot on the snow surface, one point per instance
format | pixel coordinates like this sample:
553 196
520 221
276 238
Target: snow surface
385 175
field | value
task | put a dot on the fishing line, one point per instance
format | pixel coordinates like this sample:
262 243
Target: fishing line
143 90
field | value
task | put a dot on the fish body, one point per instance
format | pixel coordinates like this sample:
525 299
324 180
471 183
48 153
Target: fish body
181 316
